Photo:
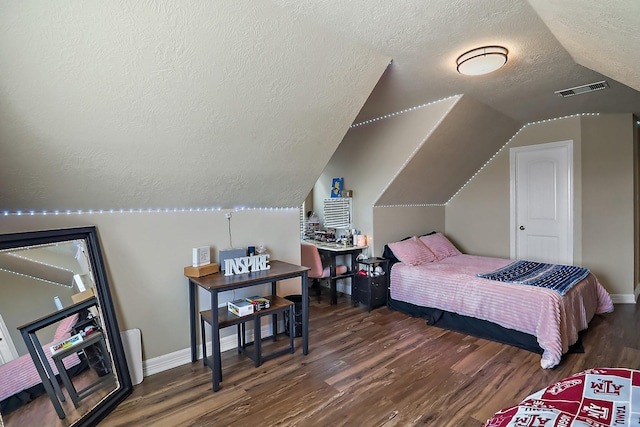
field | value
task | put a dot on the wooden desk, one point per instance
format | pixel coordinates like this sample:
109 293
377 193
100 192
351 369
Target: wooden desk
331 252
218 282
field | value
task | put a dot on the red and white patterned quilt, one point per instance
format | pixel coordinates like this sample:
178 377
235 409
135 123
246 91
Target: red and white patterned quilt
593 398
451 284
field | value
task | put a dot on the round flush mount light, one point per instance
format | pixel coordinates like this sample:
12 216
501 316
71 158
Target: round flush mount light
482 60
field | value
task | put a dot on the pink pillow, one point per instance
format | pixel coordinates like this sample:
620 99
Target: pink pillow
440 246
64 328
412 251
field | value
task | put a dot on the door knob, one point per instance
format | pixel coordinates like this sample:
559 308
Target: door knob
522 227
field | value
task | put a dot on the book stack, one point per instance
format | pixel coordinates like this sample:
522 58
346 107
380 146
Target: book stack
67 343
259 303
245 306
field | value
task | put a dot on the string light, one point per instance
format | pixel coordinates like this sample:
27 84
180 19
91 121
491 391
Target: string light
387 116
141 210
35 278
483 166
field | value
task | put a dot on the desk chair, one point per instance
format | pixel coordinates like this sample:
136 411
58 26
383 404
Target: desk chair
310 257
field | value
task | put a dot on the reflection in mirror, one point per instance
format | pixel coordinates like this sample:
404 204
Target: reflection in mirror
61 357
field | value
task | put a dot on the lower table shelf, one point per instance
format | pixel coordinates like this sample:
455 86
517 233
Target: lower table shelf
226 318
94 339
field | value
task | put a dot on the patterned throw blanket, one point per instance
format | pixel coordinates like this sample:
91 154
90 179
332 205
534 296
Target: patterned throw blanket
559 278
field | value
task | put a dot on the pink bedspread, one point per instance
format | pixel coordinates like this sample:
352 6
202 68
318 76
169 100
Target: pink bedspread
21 374
451 285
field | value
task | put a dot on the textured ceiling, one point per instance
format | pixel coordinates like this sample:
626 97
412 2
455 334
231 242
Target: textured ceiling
170 104
425 38
178 104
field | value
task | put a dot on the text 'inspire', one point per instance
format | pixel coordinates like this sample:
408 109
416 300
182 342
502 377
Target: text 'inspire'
245 264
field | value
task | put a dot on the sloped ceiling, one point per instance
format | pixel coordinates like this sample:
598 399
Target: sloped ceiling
463 141
170 104
425 38
602 36
179 104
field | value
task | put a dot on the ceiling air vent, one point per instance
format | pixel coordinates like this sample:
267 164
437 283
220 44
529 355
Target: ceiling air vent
582 89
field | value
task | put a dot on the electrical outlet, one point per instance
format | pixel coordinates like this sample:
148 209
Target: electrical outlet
228 215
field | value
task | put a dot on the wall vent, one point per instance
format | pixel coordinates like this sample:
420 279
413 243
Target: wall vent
578 90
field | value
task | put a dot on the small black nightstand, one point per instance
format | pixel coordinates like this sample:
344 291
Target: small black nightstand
371 289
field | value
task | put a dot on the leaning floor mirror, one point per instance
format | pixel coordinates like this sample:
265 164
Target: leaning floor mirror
62 362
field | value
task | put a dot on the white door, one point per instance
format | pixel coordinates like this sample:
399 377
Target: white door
7 349
542 202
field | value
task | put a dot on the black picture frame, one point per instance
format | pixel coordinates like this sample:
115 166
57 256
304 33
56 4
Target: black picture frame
90 236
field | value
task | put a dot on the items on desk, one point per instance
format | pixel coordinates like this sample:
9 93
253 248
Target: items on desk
259 303
203 270
66 343
240 307
246 264
201 256
326 236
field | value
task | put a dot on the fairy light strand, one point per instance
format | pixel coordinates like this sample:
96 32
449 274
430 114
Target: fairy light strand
141 210
485 164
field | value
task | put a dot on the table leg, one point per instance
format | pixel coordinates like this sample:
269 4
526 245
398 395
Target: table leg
292 322
46 381
193 313
332 281
305 315
257 341
215 338
274 317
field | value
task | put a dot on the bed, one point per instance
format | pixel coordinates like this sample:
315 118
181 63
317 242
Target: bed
21 382
433 279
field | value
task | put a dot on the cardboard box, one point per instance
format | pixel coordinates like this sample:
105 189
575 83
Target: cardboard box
203 270
81 296
240 307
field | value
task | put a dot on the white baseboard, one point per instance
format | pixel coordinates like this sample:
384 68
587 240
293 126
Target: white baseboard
182 357
623 298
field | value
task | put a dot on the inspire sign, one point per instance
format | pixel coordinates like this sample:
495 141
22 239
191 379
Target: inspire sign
246 264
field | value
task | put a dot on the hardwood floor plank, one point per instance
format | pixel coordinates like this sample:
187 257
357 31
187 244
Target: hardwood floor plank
381 368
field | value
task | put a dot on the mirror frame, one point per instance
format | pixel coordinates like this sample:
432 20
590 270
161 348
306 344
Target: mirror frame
110 323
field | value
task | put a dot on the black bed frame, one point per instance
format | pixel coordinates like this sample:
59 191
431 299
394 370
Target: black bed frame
468 325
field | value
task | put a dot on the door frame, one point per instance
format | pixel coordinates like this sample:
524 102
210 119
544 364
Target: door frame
513 235
4 333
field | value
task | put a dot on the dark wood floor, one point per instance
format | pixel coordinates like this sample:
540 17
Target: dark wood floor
40 412
371 369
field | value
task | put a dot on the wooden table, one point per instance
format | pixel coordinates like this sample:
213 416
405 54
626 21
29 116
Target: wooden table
218 282
331 252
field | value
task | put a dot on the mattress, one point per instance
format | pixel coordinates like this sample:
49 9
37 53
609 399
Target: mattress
451 284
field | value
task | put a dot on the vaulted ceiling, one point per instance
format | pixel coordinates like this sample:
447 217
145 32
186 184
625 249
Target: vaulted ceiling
187 104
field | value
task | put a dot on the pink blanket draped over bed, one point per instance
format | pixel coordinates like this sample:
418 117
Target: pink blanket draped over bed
21 374
451 284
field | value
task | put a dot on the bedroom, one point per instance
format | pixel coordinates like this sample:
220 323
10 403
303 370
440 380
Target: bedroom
88 126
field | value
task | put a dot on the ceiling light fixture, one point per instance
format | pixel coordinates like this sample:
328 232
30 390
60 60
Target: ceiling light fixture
482 60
